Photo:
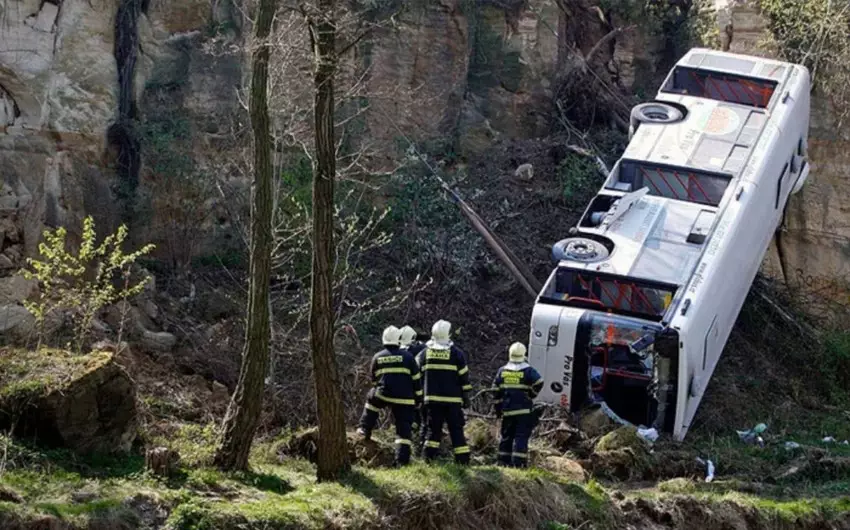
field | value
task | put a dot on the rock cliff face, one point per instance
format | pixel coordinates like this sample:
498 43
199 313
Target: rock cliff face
73 74
109 106
812 252
57 96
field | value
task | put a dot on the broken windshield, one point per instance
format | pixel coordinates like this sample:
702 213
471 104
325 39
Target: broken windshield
615 364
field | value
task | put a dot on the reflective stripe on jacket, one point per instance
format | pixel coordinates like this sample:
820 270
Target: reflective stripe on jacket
515 387
396 376
445 374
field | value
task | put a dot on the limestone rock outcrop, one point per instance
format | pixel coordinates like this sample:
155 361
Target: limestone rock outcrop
813 250
86 403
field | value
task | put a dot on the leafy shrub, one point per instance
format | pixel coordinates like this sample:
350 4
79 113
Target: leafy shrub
81 282
435 239
580 178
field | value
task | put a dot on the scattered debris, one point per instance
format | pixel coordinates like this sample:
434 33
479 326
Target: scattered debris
621 454
791 470
524 172
828 440
7 494
709 475
613 415
791 446
375 452
596 423
709 468
565 467
650 435
753 436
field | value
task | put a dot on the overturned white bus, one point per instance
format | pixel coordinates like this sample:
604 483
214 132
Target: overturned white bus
652 278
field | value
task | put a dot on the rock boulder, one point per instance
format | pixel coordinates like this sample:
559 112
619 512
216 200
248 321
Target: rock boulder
15 289
16 323
86 403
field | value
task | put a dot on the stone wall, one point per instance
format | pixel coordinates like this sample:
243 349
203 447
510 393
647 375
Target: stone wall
59 95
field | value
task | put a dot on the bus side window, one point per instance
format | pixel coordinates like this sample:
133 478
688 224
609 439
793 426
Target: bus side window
779 186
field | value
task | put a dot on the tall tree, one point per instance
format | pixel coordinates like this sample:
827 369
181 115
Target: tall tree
332 450
240 423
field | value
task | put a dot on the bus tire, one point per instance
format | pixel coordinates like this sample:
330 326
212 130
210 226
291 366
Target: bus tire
579 249
653 112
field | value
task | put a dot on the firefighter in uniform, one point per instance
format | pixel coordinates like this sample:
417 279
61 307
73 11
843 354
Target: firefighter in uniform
446 384
397 386
514 388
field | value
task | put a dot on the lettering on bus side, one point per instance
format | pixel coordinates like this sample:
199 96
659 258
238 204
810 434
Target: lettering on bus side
717 238
698 277
568 370
713 246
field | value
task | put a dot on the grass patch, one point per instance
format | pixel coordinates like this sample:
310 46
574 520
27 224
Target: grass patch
195 443
779 504
419 496
422 496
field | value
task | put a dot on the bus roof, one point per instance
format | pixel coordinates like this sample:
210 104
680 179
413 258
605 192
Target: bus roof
728 98
652 241
714 136
687 166
747 65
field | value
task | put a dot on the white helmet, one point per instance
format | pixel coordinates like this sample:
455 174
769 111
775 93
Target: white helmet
516 353
407 335
391 336
440 330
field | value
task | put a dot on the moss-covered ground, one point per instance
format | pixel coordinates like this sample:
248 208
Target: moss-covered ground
116 492
25 373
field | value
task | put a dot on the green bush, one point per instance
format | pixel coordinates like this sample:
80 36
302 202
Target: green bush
82 282
434 237
580 178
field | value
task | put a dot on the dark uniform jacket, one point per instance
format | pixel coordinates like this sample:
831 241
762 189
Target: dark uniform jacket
445 375
516 385
396 376
415 347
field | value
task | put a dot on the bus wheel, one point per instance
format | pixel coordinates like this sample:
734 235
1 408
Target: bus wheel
653 112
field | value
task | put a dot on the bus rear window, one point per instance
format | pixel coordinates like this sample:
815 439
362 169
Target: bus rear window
683 184
720 86
618 293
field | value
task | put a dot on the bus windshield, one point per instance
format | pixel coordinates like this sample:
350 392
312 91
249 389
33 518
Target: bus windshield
624 295
616 372
721 86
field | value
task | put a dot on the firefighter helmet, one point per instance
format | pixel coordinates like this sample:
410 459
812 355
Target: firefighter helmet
391 336
516 353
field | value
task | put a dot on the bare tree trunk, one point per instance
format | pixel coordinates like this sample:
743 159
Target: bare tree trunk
332 452
240 423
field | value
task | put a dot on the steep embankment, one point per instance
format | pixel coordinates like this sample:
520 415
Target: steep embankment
75 494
